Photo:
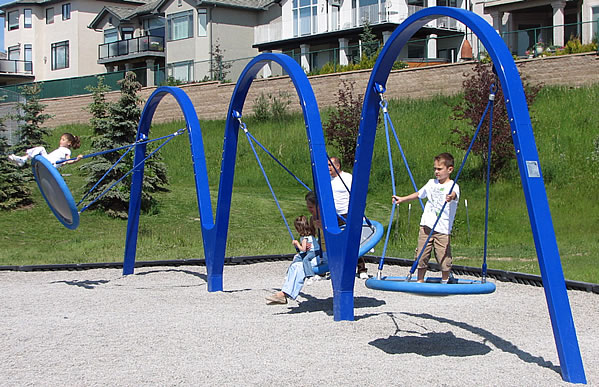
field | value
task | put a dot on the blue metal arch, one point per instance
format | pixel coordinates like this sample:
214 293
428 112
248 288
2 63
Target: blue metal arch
319 161
528 163
199 165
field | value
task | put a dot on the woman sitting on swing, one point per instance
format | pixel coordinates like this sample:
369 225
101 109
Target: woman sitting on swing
294 280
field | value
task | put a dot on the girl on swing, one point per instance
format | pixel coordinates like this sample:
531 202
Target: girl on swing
294 279
307 245
63 152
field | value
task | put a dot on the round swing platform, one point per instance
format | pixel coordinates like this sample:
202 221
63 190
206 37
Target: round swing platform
371 235
56 192
431 287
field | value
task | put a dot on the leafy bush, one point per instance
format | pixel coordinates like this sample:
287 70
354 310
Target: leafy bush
342 127
476 96
271 107
574 46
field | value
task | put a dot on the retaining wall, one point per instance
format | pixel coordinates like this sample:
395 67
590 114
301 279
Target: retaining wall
211 99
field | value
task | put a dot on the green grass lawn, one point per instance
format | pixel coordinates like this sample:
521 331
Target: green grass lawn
565 122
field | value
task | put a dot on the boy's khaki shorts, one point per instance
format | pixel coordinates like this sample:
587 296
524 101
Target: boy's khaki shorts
441 243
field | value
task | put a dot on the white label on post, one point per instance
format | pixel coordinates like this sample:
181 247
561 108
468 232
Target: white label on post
533 169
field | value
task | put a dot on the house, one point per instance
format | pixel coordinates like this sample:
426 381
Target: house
197 40
319 31
49 39
542 23
192 40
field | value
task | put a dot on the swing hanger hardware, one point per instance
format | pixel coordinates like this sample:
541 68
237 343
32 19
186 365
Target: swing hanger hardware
380 89
242 125
493 89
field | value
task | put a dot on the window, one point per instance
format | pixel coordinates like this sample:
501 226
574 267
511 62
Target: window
127 33
447 3
595 18
180 25
202 21
13 20
60 55
181 71
27 16
14 53
28 57
305 13
49 15
66 11
111 35
154 27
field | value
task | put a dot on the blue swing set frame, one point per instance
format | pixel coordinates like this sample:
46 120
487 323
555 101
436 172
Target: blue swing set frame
344 243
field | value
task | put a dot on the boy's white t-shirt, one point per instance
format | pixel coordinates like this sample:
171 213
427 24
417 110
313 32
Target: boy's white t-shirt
60 154
436 193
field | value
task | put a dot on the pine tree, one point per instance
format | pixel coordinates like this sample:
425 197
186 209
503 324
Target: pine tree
13 190
115 125
31 116
370 44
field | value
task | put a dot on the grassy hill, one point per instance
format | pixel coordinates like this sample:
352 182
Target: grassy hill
565 122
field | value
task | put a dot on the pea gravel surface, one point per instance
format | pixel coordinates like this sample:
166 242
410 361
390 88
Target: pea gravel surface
160 326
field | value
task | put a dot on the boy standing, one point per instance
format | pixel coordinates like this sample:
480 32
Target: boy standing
437 192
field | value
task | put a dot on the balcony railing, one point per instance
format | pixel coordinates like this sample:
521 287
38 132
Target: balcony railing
131 46
9 66
352 18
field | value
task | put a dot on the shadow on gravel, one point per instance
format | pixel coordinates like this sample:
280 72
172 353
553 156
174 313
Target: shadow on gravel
194 273
325 305
87 284
446 343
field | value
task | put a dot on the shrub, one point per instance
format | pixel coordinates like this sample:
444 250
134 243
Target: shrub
271 107
341 129
476 95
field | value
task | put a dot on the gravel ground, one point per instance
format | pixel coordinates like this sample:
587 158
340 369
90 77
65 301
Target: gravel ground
161 326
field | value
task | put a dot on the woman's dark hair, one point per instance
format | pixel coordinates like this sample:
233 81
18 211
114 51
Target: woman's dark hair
311 198
75 142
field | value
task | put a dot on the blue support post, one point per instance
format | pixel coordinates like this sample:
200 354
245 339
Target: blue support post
528 163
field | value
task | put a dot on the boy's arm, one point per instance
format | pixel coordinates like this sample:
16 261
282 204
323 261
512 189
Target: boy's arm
401 199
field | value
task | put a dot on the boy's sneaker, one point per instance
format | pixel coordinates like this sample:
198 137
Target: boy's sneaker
364 275
18 161
316 278
309 281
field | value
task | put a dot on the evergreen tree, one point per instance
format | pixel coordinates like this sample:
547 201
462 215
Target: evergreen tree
370 44
31 117
13 190
115 125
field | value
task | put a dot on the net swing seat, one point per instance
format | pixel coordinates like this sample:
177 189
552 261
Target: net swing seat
433 286
57 194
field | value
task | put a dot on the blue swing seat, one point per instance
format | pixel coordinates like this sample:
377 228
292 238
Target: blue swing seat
55 192
371 235
431 287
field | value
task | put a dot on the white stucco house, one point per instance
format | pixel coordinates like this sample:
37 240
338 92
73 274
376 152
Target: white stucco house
195 40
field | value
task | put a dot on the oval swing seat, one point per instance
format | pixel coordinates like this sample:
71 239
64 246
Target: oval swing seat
371 235
431 287
55 192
